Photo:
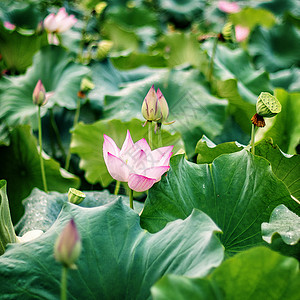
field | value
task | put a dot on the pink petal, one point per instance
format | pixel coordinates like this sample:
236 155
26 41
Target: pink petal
163 104
241 33
143 145
165 161
155 172
128 143
117 168
67 23
228 7
9 25
159 153
110 146
50 23
140 183
138 161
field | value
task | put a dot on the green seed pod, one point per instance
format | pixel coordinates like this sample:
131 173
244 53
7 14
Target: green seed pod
267 105
75 196
228 32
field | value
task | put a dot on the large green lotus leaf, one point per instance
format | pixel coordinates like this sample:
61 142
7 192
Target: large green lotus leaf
234 78
119 259
7 233
288 79
207 150
48 206
251 17
180 11
195 111
281 8
58 73
238 191
282 222
123 39
180 48
285 167
87 142
284 129
258 273
20 167
274 49
136 59
107 80
18 49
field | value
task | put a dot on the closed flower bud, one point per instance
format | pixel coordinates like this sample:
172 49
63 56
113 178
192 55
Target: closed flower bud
39 94
68 246
267 105
75 196
151 108
103 49
163 105
86 85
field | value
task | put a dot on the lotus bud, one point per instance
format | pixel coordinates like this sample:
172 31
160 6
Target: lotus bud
99 8
151 108
103 49
75 196
86 85
39 94
68 246
227 32
163 105
267 105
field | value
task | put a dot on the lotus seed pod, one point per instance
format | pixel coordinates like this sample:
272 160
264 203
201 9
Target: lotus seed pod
75 196
267 105
228 32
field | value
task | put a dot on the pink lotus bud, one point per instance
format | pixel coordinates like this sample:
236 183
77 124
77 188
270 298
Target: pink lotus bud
228 7
68 245
39 94
163 105
151 109
241 33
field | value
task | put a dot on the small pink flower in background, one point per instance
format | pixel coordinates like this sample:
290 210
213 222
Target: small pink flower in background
241 33
228 7
135 163
9 26
58 23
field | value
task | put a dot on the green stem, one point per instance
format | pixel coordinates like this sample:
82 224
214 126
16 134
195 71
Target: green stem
150 134
252 139
63 286
212 58
159 136
56 132
131 198
76 118
41 150
117 187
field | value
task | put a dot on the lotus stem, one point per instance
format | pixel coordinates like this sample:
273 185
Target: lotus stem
76 118
117 187
252 139
41 150
131 198
212 58
63 286
150 134
56 132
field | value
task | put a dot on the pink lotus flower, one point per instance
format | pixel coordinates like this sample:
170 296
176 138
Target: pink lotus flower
241 33
60 22
228 7
135 163
9 26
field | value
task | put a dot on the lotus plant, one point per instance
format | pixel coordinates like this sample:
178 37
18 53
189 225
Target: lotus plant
58 23
135 163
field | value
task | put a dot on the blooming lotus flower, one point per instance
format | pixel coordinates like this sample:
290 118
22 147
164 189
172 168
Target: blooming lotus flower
68 245
241 33
228 7
135 163
60 22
